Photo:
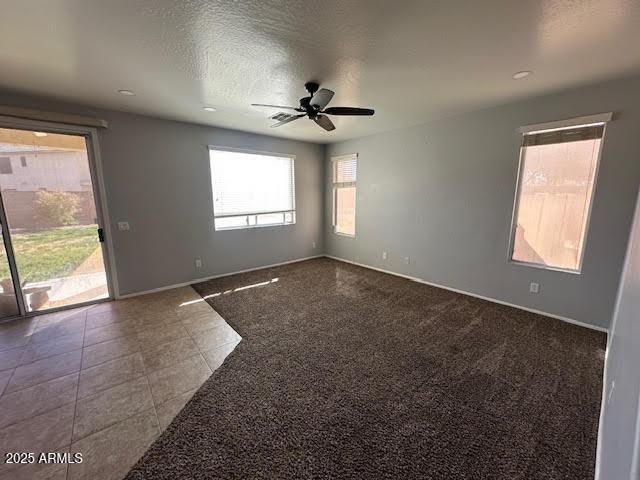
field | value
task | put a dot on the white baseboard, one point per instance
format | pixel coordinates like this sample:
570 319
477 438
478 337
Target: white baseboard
408 277
482 297
204 279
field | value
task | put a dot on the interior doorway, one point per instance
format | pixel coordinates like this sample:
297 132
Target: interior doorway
53 254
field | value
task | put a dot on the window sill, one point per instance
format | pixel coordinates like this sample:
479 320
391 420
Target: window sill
248 227
545 267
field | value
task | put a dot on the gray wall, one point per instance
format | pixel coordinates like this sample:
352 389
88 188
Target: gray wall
157 178
442 193
618 435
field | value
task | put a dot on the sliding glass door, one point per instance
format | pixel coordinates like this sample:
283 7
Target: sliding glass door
51 219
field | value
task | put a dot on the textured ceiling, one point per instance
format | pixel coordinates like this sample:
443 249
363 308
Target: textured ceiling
410 60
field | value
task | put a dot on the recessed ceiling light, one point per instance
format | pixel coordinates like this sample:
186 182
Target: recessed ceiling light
128 93
40 134
209 109
522 74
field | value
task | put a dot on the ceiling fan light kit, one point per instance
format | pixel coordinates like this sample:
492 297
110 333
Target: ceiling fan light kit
314 107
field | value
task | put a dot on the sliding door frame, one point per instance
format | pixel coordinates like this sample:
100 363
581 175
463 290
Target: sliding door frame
90 134
11 261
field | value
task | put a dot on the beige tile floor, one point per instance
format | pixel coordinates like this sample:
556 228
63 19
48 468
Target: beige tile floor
104 380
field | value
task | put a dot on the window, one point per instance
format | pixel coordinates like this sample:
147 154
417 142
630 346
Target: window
23 161
5 165
557 177
251 189
344 194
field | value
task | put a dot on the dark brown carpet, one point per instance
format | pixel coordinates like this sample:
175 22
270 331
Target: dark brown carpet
347 373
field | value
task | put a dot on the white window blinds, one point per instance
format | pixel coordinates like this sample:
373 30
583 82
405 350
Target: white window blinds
344 194
555 191
252 189
345 169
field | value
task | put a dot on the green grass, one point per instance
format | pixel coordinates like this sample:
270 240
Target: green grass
50 253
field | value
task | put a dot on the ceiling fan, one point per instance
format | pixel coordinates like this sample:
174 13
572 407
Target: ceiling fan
314 106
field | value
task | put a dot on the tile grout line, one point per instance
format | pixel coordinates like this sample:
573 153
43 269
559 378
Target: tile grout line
44 412
198 347
115 423
153 401
48 380
106 427
171 366
24 350
146 377
153 404
133 334
119 421
81 349
49 356
219 346
112 386
75 405
145 374
8 382
160 428
200 352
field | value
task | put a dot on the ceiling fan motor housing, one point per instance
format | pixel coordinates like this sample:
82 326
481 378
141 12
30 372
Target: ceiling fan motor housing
310 110
312 87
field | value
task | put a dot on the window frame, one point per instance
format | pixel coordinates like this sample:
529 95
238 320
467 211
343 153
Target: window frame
598 119
334 193
255 223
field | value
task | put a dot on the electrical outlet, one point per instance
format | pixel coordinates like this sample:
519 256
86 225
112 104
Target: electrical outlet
384 255
198 263
534 287
123 226
407 260
313 245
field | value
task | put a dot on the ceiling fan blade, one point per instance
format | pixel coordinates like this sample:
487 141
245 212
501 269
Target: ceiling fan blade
325 122
348 111
276 106
287 120
321 98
